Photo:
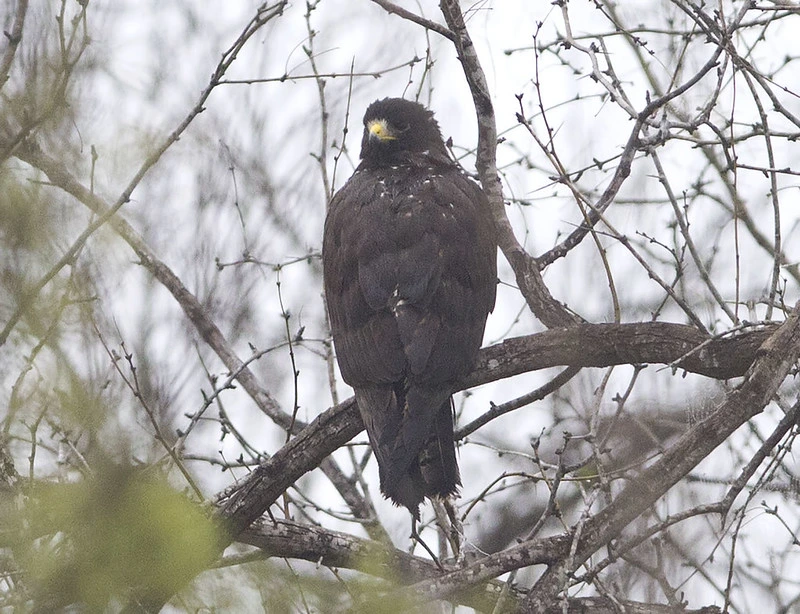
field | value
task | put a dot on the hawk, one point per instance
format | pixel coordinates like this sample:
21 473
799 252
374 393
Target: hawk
410 268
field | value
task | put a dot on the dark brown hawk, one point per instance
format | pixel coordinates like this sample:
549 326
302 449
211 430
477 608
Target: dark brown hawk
409 258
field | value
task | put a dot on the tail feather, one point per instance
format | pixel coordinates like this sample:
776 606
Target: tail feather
411 433
437 462
420 408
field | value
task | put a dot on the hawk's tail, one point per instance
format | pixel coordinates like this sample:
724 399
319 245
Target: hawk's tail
411 432
437 461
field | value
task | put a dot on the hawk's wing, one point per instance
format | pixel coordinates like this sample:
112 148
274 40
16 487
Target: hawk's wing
410 275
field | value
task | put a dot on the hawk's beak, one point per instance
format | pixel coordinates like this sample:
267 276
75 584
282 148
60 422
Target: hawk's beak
379 129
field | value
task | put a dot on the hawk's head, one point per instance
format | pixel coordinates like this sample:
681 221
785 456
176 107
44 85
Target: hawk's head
394 127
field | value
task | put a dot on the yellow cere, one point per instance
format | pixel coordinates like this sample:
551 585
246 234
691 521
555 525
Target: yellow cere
380 129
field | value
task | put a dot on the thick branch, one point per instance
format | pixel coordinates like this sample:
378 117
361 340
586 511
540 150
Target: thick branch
335 549
323 546
604 345
549 311
287 539
775 358
244 502
587 345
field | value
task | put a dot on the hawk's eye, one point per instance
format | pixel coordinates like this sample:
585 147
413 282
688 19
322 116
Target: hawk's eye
402 127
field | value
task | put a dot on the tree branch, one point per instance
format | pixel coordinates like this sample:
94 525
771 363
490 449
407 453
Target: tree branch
284 538
390 7
289 539
775 358
551 313
586 345
604 345
14 37
60 176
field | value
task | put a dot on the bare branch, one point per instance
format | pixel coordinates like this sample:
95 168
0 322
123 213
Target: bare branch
775 359
594 345
390 7
60 176
526 269
13 39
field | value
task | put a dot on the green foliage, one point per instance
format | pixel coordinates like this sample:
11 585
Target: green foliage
121 533
22 214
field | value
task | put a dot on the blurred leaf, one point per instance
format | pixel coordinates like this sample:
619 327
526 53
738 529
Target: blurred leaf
23 220
118 533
